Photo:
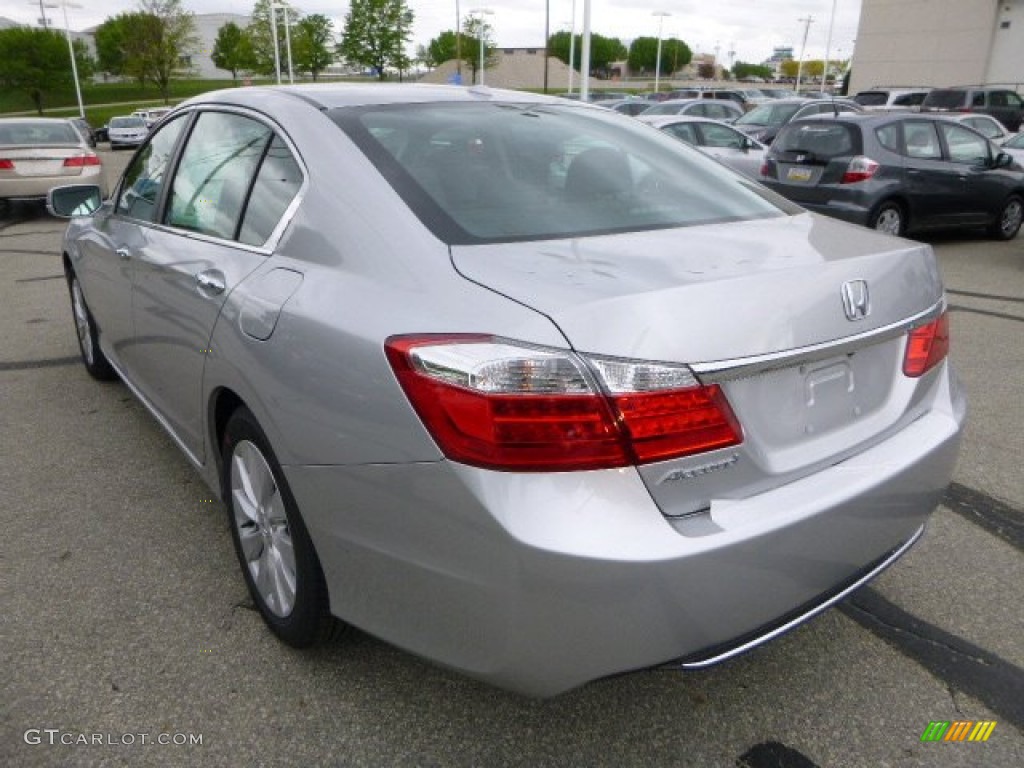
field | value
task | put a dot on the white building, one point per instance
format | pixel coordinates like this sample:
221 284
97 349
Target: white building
939 42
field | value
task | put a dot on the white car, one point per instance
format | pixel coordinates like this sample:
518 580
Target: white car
712 137
1014 146
128 131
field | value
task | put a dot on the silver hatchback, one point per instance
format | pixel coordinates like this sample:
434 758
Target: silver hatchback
515 383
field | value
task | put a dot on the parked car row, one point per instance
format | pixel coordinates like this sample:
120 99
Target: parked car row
1002 104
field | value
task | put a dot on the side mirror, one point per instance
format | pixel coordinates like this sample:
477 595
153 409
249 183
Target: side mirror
74 200
1002 160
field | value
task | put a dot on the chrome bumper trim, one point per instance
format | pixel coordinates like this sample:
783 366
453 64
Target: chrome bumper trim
695 662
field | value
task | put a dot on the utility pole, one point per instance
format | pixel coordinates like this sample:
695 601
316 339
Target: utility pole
828 47
458 44
547 36
806 21
657 62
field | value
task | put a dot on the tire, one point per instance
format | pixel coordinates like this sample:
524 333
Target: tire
274 550
889 218
1008 221
93 359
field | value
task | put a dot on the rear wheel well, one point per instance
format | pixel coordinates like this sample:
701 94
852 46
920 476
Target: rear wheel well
224 403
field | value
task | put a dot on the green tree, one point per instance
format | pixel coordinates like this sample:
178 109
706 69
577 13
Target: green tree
788 68
35 61
742 69
475 29
375 35
116 47
232 50
643 55
169 39
604 51
313 44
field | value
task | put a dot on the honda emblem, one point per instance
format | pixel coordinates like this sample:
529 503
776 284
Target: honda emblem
856 301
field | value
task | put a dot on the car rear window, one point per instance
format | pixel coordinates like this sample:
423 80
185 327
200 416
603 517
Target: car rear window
944 99
127 122
15 134
818 141
769 114
494 172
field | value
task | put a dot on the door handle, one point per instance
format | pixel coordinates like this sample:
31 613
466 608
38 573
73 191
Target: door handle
124 254
211 282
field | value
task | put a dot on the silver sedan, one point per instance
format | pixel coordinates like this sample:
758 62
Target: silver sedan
514 383
721 141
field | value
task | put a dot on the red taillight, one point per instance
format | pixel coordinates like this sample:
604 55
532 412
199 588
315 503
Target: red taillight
927 346
6 165
764 168
80 161
860 169
495 404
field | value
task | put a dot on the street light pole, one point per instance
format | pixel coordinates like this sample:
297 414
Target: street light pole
480 32
585 54
458 43
803 47
71 47
277 47
572 45
828 47
657 62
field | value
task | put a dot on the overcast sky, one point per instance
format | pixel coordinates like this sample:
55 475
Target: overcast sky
751 28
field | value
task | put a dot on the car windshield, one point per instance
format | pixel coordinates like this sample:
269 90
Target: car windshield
944 99
477 173
24 133
1017 142
769 114
127 122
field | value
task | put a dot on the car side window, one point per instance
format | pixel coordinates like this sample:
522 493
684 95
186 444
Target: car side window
216 170
144 178
277 183
683 131
979 99
921 141
997 99
1013 100
964 146
720 136
889 136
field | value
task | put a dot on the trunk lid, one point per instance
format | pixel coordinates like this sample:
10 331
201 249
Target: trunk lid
757 307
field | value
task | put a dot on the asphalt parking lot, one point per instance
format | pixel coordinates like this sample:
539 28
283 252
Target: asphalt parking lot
126 622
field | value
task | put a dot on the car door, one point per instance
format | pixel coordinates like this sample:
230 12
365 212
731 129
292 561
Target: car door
933 184
122 229
192 264
981 190
730 147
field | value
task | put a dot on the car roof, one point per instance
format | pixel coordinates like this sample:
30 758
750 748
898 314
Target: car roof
667 119
23 120
334 95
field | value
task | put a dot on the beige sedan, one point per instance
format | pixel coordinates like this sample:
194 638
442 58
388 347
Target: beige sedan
38 154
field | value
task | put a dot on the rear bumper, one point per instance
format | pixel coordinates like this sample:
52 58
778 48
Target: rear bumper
540 583
36 187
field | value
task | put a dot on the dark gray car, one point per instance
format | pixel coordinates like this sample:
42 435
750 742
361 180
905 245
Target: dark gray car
898 173
1003 104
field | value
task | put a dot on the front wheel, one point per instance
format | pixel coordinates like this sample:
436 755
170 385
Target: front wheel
88 336
1008 222
889 218
278 561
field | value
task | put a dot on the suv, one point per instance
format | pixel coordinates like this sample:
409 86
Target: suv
897 172
890 98
1003 104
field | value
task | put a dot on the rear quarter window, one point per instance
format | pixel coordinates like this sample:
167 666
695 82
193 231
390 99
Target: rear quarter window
872 98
